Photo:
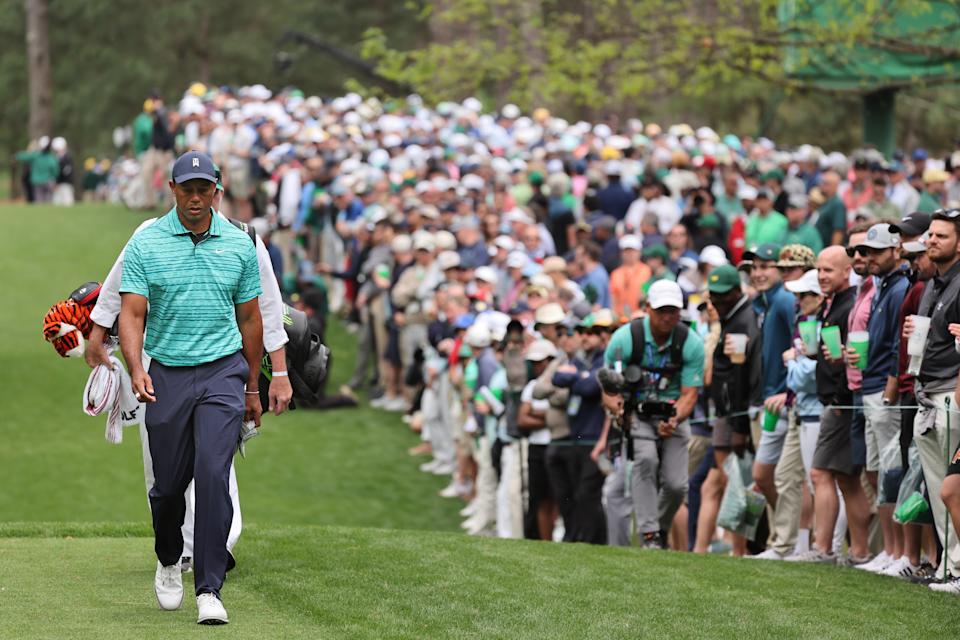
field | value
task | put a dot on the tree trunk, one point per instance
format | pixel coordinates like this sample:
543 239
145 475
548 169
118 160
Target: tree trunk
38 67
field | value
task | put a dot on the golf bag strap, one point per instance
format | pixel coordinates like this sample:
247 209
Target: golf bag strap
246 228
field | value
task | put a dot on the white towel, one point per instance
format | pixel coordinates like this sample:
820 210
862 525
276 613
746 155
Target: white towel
109 389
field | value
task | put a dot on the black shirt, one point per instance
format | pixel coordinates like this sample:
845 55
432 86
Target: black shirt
941 302
832 375
737 387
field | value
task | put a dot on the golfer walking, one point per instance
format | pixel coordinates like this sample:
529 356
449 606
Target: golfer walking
191 279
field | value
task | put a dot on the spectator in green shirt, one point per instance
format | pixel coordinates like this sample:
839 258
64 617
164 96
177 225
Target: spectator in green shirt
44 169
799 229
832 216
143 129
764 224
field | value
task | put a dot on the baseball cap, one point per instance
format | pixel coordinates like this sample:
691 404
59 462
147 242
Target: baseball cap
723 279
630 242
935 175
920 154
665 293
423 242
797 201
554 264
713 255
916 246
656 251
797 255
401 244
602 318
807 283
913 224
550 313
486 274
448 260
478 336
767 251
516 260
881 236
747 192
194 165
539 350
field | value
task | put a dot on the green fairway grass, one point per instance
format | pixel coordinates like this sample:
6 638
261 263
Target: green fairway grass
333 582
343 537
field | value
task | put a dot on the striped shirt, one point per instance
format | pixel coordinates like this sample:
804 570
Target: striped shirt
193 289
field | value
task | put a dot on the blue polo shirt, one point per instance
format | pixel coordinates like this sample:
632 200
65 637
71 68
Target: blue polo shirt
193 289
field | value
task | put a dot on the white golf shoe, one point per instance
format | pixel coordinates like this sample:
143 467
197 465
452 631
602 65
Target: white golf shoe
210 610
168 585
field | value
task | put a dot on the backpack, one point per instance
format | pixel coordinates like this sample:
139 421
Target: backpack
675 362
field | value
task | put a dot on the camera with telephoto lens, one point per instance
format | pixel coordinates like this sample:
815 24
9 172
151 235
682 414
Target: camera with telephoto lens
629 384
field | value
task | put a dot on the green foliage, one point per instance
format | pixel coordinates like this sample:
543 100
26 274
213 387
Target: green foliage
686 59
107 55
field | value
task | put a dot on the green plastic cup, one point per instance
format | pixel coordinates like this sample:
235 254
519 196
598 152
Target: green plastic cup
859 341
770 420
831 339
808 333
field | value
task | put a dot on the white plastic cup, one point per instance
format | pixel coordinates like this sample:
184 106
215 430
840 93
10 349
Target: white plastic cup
916 343
918 339
738 347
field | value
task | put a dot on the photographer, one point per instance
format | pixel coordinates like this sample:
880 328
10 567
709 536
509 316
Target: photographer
662 362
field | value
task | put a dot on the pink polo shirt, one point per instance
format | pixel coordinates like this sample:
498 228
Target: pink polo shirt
859 317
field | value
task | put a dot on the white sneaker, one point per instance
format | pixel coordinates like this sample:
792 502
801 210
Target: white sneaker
168 585
444 468
476 521
951 586
453 490
379 403
813 555
428 467
901 568
395 404
769 554
469 510
879 563
210 610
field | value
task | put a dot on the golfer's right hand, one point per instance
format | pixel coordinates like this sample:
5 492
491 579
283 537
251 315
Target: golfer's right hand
142 386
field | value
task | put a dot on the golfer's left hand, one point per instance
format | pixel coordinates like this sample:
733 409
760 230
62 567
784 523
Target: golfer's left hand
252 409
280 393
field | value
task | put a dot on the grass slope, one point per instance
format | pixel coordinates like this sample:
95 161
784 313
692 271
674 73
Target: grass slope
344 467
333 582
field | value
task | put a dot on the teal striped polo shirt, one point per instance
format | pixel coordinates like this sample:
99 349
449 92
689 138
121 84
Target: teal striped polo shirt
193 289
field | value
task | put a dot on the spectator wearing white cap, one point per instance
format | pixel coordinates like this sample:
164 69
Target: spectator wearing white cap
653 199
627 280
517 264
671 360
542 511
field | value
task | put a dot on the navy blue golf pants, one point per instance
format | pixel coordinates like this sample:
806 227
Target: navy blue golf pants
193 428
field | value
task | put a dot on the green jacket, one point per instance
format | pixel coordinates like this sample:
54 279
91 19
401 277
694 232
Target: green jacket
44 166
142 133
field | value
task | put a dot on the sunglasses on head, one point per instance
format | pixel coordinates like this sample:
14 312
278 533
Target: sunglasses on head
945 214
